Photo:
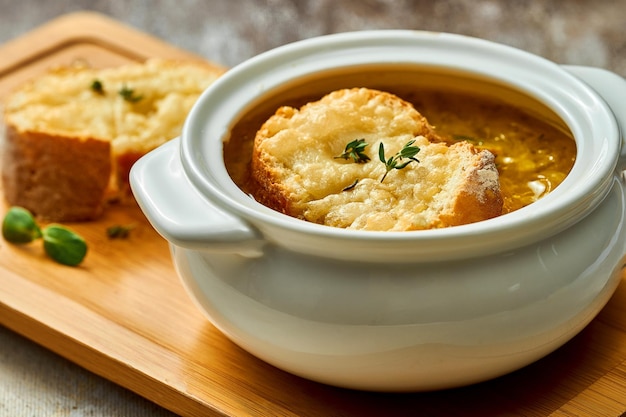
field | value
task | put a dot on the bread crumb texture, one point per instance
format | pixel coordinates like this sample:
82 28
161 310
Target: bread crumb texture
295 169
69 147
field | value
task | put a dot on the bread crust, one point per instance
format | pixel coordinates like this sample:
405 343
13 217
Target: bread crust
55 177
451 185
479 197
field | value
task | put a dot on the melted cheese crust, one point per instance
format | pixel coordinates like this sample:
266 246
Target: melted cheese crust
298 149
62 103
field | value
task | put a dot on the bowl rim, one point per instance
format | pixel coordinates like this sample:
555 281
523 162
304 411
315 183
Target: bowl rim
581 108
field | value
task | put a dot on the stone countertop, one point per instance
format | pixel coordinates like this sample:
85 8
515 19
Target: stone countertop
36 382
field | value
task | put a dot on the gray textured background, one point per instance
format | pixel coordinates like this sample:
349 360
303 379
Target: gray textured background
581 32
35 382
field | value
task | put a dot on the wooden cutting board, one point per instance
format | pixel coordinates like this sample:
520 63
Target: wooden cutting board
123 314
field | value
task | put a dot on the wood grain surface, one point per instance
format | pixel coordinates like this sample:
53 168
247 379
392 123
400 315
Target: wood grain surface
124 315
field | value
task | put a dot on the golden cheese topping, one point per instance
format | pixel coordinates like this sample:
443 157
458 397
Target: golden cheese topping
298 149
159 95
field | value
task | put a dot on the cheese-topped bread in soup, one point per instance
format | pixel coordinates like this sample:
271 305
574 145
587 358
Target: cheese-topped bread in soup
302 166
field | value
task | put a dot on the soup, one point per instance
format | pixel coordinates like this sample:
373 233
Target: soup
534 150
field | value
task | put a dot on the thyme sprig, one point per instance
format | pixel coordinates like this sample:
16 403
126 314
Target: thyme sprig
97 87
395 162
128 94
356 151
119 231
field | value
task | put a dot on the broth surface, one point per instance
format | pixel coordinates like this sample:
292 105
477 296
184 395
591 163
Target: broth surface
532 156
534 150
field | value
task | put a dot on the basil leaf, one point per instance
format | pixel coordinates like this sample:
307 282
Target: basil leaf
19 226
63 245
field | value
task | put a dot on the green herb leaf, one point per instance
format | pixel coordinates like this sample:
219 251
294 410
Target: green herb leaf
128 94
97 87
119 231
19 226
407 152
63 245
356 151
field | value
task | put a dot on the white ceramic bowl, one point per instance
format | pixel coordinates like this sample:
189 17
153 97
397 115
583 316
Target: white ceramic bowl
395 311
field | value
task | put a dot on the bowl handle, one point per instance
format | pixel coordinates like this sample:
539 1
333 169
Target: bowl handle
178 211
612 88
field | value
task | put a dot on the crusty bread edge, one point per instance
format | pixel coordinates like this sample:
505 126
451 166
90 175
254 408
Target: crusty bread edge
479 198
28 176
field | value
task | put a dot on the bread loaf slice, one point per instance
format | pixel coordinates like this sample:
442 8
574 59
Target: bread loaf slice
72 134
295 169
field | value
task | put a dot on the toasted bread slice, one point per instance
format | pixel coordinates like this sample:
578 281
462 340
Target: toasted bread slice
73 133
295 168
